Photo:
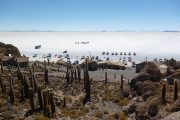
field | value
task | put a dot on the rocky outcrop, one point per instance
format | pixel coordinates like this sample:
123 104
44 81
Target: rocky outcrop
173 116
176 106
149 71
146 88
7 49
148 109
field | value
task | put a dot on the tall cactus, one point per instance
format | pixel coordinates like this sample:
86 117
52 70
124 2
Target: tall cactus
2 85
45 100
33 68
67 77
31 99
40 98
175 89
48 111
58 69
75 74
164 92
64 102
12 94
26 87
72 72
51 99
88 87
122 82
105 77
46 76
35 83
79 72
2 70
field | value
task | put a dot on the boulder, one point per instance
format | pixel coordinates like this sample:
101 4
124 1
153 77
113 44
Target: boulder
61 62
153 108
7 49
149 71
147 95
141 112
176 106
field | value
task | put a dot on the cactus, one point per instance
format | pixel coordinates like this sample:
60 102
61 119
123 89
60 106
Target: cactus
105 77
2 85
46 76
72 72
33 68
175 89
35 84
79 73
84 78
67 77
12 94
48 61
122 82
31 78
51 99
45 100
88 87
22 93
26 87
19 74
31 99
48 111
64 102
164 92
2 70
58 68
75 75
40 99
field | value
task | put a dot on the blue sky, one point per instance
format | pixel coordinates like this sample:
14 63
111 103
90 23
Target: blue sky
90 15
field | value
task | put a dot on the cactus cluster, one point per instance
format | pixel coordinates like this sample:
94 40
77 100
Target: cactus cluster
48 103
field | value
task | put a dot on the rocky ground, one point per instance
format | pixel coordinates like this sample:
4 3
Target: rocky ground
140 98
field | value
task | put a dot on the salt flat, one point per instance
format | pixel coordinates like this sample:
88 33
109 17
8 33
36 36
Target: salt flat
156 44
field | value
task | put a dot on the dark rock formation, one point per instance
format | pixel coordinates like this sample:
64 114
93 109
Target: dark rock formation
176 106
149 71
7 49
